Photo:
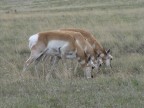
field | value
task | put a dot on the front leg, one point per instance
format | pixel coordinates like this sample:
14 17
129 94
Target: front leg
87 72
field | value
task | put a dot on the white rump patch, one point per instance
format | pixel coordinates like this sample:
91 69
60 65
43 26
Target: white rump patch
33 40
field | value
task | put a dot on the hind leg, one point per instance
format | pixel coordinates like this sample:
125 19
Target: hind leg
34 57
54 60
65 55
87 72
27 63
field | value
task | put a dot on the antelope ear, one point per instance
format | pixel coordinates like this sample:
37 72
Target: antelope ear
108 51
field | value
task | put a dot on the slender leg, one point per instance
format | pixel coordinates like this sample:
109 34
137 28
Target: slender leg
65 69
27 63
75 69
34 57
87 71
53 62
36 70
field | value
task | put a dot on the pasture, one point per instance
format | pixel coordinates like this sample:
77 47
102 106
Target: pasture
117 24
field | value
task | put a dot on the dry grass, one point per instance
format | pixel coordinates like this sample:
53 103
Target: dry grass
117 24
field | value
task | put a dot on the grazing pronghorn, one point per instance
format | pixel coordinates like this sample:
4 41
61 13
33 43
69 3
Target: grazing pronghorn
83 42
85 45
61 44
106 56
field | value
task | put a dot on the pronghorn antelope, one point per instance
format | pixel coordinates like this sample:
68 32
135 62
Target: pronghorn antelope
61 44
106 56
85 45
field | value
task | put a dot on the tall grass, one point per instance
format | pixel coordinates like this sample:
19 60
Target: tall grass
117 24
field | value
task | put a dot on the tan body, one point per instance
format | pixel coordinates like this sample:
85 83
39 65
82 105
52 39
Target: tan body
82 42
91 39
57 43
98 49
84 45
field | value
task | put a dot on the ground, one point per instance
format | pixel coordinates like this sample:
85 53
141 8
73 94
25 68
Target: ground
117 24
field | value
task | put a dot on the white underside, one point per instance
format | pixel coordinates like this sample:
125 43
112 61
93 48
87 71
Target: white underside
58 47
54 47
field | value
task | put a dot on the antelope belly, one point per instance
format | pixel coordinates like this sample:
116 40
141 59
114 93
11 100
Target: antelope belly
54 45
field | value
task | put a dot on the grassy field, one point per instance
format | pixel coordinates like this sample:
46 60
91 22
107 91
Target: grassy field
117 24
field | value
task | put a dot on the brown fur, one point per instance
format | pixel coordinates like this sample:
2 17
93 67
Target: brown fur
44 37
84 44
91 39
